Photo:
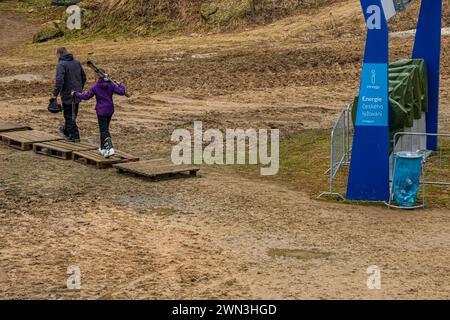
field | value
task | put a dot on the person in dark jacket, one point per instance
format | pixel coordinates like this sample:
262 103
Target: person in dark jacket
70 76
103 90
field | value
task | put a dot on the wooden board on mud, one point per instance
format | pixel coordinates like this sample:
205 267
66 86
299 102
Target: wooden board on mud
93 157
8 126
61 149
156 168
24 140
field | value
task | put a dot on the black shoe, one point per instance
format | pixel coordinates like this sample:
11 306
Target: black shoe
76 135
72 138
76 138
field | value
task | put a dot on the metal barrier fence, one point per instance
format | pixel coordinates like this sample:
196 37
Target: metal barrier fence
408 141
341 142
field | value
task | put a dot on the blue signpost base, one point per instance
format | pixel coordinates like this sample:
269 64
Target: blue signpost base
369 180
369 167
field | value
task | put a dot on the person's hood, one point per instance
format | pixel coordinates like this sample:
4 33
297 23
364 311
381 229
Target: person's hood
102 83
66 57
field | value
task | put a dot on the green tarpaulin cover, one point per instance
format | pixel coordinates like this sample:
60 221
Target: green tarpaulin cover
408 94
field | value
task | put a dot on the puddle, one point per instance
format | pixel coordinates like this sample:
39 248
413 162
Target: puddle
297 253
26 77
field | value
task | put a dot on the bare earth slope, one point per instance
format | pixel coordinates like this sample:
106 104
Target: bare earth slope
212 236
14 31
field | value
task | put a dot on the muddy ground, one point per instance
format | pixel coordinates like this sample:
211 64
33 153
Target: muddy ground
213 236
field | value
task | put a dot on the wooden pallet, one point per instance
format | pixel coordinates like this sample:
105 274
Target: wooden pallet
156 168
61 149
8 126
93 157
24 140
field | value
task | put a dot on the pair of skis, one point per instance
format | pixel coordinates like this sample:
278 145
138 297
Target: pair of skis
103 74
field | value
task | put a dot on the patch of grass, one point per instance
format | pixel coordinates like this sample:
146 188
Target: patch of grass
5 150
131 18
438 169
304 159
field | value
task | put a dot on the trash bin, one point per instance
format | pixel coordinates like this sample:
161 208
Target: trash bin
407 172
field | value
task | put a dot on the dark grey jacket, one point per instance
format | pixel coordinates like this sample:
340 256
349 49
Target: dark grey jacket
70 76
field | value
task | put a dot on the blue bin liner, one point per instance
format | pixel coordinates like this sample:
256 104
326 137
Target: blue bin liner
408 169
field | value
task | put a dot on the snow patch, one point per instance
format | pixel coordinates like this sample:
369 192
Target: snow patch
412 33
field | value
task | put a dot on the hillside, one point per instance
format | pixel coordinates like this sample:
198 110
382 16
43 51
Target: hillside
131 18
134 18
143 17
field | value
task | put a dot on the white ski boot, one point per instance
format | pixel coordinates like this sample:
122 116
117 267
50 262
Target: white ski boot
102 151
109 152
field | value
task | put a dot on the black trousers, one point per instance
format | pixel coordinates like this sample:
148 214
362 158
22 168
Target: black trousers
70 127
105 136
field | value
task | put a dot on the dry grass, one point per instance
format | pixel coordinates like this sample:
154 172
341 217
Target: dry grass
119 18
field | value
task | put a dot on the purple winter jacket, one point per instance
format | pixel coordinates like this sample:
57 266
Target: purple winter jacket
103 92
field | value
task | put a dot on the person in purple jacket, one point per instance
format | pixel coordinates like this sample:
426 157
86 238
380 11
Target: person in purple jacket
103 90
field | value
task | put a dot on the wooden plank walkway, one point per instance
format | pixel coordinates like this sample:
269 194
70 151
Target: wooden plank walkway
24 140
156 168
93 157
9 126
61 149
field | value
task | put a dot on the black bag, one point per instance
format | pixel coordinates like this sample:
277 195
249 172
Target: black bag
54 107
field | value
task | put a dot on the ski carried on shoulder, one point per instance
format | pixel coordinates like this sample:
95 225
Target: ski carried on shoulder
103 74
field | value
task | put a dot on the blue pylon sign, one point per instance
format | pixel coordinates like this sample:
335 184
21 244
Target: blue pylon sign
369 168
